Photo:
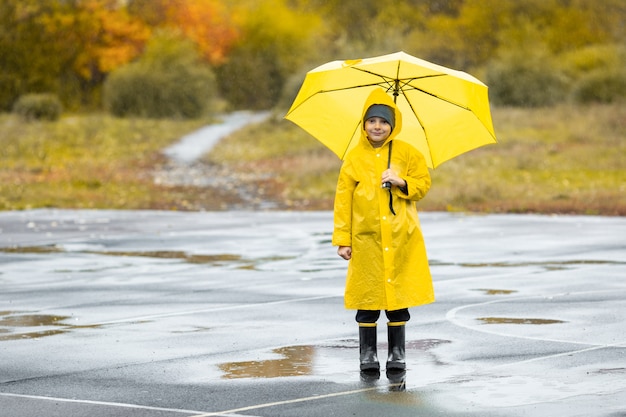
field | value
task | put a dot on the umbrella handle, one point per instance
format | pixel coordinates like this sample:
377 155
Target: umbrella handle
387 185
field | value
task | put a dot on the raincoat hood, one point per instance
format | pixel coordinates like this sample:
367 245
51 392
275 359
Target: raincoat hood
379 96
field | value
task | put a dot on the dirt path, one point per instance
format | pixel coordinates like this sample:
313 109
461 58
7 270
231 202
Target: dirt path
237 190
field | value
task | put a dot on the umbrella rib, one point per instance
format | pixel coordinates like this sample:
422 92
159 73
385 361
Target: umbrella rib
329 91
398 74
406 82
345 151
421 125
390 87
412 87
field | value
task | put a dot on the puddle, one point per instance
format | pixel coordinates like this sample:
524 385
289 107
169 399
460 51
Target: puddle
299 360
611 371
425 344
32 249
195 259
295 361
194 329
509 320
11 320
556 265
489 291
398 397
216 259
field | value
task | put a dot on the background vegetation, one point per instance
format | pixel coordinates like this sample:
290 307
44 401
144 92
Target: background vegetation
568 160
92 161
113 82
532 52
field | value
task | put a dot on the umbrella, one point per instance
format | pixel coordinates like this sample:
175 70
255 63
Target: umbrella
444 112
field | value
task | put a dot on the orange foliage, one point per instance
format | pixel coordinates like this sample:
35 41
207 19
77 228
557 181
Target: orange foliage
100 35
205 22
115 37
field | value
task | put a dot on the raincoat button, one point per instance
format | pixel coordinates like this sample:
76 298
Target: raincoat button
387 249
384 217
378 155
389 280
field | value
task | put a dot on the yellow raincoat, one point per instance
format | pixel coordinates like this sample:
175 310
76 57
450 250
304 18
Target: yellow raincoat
389 267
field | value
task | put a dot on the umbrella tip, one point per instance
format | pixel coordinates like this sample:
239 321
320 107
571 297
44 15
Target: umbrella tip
350 62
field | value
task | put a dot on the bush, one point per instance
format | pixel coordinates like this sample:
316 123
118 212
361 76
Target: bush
601 87
597 73
168 82
138 91
581 62
38 107
525 83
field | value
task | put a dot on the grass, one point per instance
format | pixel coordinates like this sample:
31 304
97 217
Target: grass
558 160
91 161
565 159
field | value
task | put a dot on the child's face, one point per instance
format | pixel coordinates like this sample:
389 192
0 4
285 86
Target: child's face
377 129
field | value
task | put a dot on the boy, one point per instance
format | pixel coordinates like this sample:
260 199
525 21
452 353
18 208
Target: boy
377 230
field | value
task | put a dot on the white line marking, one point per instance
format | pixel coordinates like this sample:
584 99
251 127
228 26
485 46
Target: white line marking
451 317
296 400
194 413
556 355
103 403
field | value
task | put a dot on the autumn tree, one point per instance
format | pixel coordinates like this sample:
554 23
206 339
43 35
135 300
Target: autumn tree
100 36
110 38
207 23
64 46
29 62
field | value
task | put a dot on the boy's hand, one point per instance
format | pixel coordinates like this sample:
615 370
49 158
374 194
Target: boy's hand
390 176
345 252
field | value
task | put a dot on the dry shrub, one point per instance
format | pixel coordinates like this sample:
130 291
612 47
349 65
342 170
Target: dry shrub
38 107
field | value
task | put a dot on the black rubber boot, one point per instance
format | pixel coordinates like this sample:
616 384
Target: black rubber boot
395 338
367 348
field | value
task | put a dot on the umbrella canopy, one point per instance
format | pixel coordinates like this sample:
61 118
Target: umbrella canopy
445 112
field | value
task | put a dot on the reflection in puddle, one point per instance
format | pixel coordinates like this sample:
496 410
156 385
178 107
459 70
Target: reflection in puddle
509 320
299 360
496 292
296 361
398 396
54 325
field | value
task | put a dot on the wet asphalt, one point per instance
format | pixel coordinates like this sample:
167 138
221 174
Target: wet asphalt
139 313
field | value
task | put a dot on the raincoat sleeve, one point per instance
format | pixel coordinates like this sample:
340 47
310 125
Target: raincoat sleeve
417 178
342 233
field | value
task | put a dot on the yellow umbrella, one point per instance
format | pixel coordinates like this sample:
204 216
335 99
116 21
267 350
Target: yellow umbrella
444 112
